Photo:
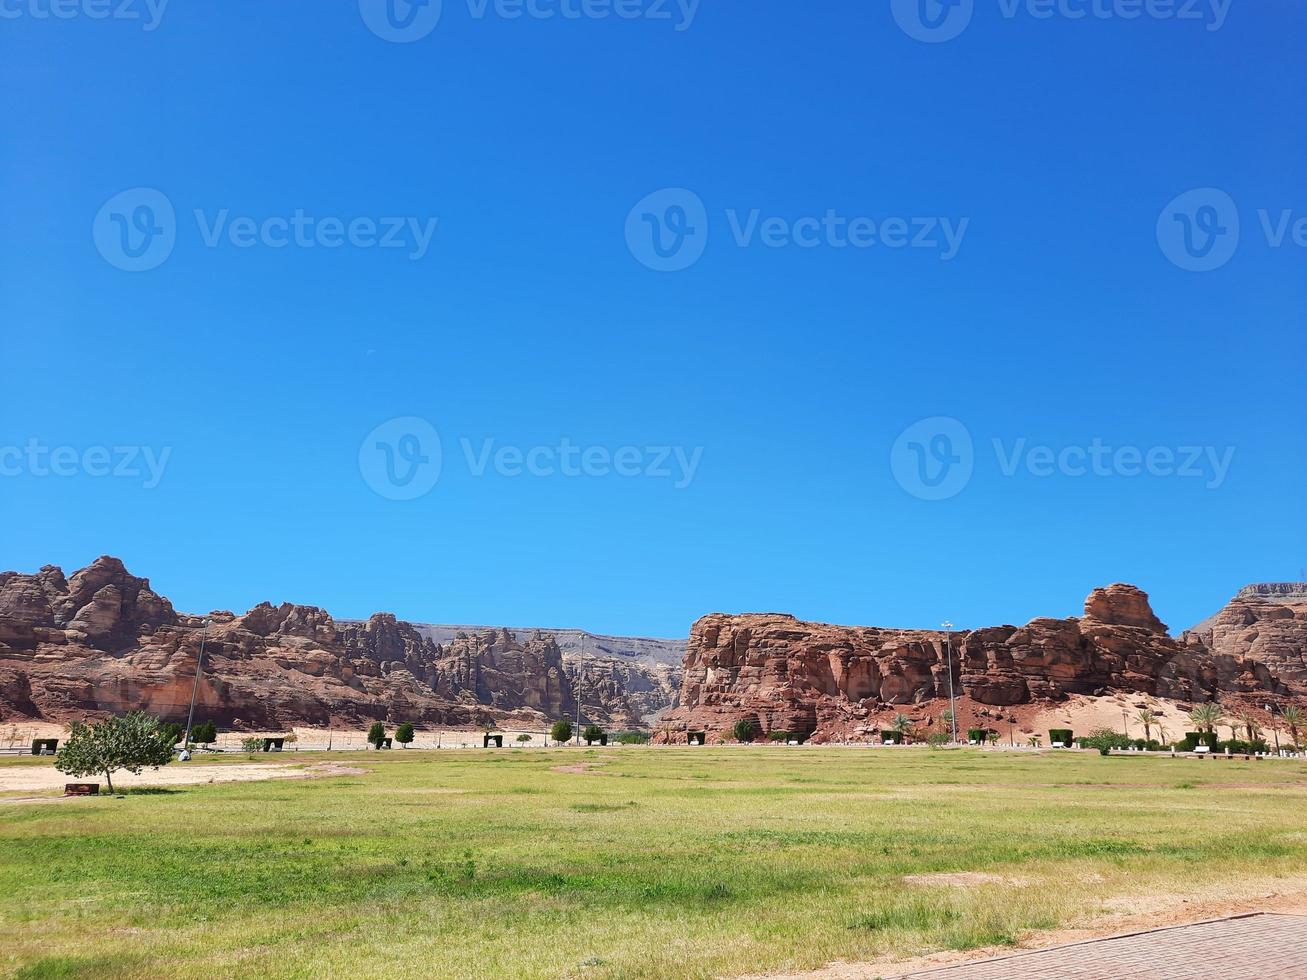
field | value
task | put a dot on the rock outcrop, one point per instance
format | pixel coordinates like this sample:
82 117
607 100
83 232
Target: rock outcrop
103 642
1266 623
836 682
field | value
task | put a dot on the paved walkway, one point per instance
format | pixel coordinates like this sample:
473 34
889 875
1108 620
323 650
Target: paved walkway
1249 947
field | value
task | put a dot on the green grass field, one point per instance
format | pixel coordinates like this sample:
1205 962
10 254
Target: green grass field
656 863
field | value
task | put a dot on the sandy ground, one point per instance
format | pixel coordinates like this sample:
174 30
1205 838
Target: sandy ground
1136 914
32 779
17 735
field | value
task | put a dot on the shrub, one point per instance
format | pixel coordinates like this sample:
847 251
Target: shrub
132 743
205 733
403 734
1105 740
631 738
742 730
376 734
1063 735
937 740
975 734
562 731
252 744
778 736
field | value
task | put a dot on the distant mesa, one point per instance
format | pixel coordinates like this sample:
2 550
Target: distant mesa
834 683
103 642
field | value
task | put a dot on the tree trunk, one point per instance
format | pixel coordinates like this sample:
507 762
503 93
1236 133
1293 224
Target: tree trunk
108 778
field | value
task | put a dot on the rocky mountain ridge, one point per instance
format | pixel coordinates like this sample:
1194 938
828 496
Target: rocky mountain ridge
839 682
103 642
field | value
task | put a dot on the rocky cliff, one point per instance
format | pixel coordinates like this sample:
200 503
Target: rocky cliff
836 682
104 642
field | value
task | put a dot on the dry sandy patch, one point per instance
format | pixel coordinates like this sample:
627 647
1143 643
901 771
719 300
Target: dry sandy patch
30 779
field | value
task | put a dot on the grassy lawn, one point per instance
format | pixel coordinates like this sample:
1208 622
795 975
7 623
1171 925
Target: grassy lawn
655 863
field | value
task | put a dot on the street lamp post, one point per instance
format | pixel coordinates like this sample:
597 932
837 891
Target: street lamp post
952 702
579 664
1274 728
195 687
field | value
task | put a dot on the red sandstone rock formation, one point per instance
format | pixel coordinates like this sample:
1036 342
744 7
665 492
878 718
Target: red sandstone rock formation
839 681
103 642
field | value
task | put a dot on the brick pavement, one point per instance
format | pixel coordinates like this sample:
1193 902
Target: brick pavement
1250 947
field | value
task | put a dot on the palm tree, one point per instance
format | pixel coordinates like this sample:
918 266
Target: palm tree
1249 723
1293 717
1148 720
901 724
1206 717
1034 741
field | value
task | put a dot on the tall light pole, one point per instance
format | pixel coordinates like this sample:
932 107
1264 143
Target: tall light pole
1275 730
579 664
195 687
952 702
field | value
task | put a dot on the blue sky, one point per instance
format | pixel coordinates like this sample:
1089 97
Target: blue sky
793 375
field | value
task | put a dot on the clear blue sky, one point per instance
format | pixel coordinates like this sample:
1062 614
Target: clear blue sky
530 319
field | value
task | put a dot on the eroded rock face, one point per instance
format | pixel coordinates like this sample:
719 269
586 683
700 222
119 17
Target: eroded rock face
102 642
830 681
1123 605
1266 623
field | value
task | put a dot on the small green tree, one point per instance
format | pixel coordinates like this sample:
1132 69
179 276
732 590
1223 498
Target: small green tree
404 734
742 730
131 743
1105 740
252 743
205 733
1206 717
1148 719
562 731
524 737
170 732
1293 717
901 724
591 733
376 734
